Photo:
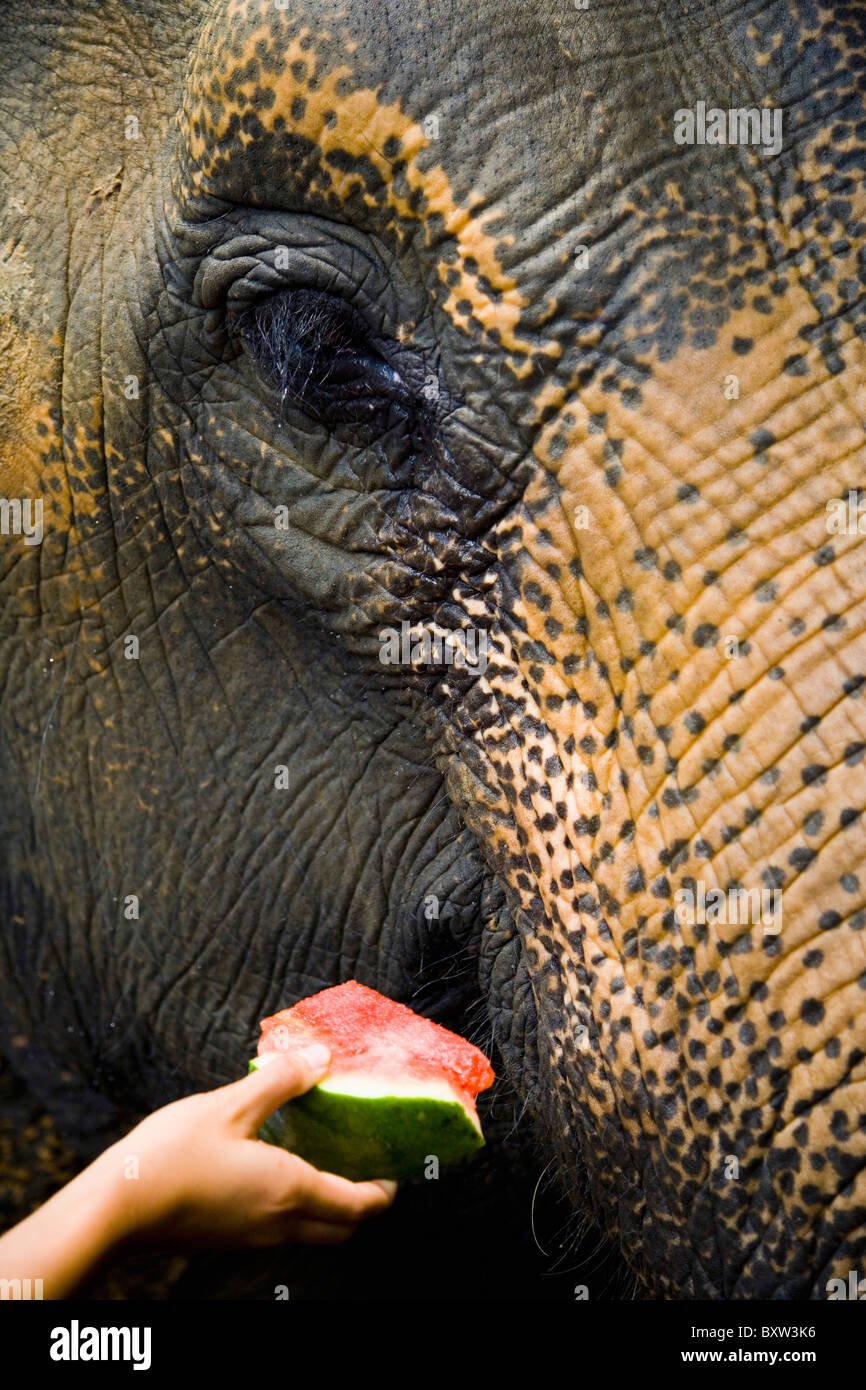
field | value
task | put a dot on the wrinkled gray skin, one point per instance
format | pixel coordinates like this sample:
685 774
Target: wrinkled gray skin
162 889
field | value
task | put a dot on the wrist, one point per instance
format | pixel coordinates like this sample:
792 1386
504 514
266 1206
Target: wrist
64 1241
111 1195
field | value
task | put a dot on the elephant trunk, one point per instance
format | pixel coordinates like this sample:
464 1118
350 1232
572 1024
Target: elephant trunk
664 760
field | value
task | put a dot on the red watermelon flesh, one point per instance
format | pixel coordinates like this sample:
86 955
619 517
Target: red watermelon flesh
367 1033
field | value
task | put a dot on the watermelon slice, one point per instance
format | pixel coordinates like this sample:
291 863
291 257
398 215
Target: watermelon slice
401 1089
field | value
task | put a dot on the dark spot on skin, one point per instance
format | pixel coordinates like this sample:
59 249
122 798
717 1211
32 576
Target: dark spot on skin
812 1012
814 775
795 365
761 440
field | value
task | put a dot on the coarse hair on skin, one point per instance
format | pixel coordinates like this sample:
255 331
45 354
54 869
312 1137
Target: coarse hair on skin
299 336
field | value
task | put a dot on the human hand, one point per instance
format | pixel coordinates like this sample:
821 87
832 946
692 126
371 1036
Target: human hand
194 1175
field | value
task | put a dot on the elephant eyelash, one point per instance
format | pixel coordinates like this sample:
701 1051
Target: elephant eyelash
318 352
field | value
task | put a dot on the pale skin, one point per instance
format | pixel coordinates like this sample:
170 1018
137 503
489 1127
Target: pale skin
204 1181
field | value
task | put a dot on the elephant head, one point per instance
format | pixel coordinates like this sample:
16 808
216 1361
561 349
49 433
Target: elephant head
433 459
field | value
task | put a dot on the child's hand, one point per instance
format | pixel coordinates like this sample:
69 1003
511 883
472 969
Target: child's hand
205 1180
192 1175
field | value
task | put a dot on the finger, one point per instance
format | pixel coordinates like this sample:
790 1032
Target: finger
281 1076
328 1197
307 1232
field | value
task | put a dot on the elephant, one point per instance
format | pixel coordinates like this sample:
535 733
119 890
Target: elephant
433 449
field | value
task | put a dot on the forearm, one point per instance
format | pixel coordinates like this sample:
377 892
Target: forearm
64 1241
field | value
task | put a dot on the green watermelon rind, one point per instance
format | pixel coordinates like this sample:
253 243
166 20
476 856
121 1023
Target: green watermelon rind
362 1137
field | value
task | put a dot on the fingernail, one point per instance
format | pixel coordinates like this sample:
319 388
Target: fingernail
388 1186
316 1055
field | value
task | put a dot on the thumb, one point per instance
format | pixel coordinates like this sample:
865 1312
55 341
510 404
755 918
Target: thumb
278 1077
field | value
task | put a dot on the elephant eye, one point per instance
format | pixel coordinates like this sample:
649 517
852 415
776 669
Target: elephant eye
317 351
